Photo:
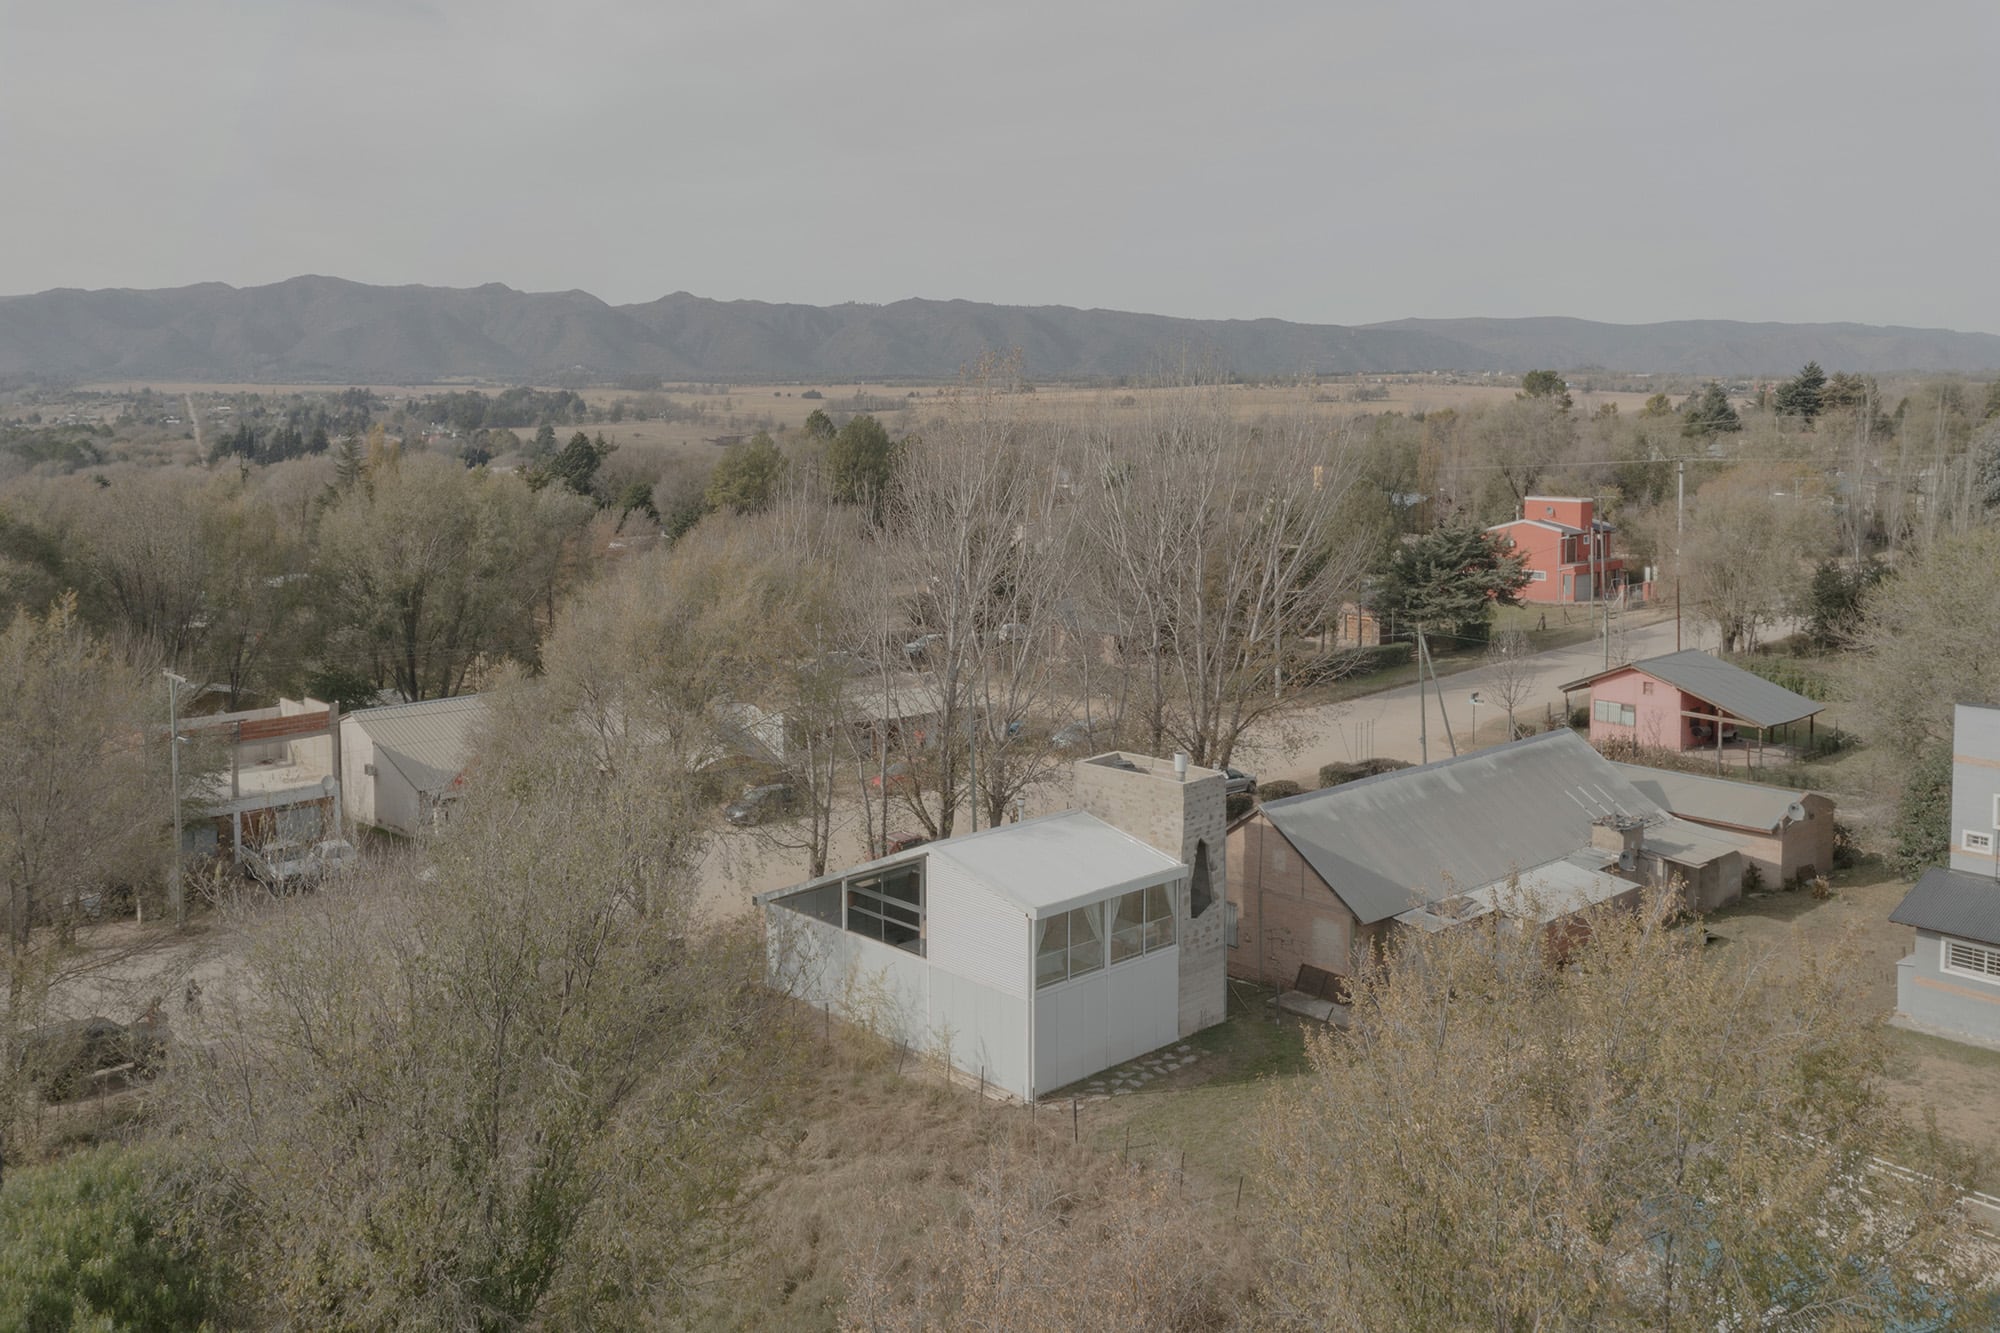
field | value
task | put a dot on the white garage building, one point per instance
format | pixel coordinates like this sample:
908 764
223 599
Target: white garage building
1034 954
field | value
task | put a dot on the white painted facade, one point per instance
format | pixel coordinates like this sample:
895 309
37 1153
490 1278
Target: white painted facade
967 988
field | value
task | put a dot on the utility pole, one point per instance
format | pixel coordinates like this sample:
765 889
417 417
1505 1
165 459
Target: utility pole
176 892
1423 708
1680 508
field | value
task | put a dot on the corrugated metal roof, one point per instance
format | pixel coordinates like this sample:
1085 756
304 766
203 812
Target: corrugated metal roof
1690 844
1541 894
430 742
1388 843
1052 863
1952 902
1748 805
1730 688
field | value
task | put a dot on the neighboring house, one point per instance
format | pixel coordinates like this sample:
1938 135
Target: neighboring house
1950 983
277 796
1356 627
402 765
1034 954
1690 701
1536 829
1786 834
1566 549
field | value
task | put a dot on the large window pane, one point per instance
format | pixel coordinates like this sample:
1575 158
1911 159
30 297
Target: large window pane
1128 926
1086 939
1052 951
1159 917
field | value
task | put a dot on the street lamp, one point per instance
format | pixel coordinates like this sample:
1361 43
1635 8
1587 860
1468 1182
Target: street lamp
1476 701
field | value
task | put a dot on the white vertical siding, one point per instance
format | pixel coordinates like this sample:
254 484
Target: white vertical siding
1106 1018
900 996
974 933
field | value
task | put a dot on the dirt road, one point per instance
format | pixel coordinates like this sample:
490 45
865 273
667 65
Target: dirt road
1393 724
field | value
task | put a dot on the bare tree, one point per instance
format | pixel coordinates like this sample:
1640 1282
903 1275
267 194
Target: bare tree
78 816
1510 672
1646 1138
1218 547
514 1091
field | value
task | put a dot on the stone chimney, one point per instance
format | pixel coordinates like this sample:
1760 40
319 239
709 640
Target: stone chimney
1182 810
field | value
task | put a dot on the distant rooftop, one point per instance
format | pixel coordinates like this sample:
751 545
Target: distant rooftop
429 742
1730 688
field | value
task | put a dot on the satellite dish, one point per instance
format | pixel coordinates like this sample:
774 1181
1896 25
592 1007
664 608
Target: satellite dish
1795 812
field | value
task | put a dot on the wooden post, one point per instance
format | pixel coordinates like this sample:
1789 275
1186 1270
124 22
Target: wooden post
1075 1125
236 791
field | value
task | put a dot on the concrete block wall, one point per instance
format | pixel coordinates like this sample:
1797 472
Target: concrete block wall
1143 796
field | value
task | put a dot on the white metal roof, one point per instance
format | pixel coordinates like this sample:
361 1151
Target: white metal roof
429 742
1056 862
1748 805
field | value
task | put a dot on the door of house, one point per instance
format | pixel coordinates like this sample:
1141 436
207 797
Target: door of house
1569 587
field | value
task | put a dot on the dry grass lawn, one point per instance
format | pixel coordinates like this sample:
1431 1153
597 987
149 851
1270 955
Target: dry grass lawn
1958 1084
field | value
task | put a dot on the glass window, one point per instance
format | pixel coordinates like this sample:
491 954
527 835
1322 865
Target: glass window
1128 926
1159 917
1086 939
1052 951
889 906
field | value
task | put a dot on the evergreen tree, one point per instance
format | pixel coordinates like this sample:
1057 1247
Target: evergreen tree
1709 413
819 426
1800 396
859 460
1449 581
1545 384
347 462
747 475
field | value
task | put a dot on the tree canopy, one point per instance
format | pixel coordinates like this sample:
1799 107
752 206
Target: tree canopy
1545 384
1800 396
1709 412
1449 581
746 477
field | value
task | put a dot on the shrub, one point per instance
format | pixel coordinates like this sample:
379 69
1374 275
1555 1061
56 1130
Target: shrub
83 1245
1579 718
1333 775
1279 789
1237 805
1753 878
1922 831
1846 847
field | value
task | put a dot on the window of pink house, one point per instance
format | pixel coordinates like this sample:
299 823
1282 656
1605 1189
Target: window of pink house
1645 687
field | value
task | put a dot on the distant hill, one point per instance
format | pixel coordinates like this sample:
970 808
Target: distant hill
326 329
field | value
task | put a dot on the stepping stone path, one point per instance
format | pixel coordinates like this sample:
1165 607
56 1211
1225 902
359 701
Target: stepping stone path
1138 1073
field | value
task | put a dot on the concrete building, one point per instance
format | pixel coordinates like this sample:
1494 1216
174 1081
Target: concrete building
1689 701
1786 833
1950 983
1034 954
1320 881
1566 549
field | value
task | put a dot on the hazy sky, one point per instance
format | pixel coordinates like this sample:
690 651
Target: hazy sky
1339 163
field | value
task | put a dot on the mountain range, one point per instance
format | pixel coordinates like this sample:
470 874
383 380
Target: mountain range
320 329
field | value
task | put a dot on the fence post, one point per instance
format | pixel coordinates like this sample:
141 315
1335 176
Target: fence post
1075 1131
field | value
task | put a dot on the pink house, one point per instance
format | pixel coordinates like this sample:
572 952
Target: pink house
1566 547
1688 701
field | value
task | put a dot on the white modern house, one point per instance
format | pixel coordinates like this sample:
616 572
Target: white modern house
1034 954
1950 983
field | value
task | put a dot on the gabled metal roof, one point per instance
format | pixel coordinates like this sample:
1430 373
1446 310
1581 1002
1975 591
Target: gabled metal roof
429 742
1389 843
1731 689
1055 862
1952 902
1746 805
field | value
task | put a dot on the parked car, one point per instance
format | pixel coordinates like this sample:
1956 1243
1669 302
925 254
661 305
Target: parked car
1236 782
300 867
903 842
915 649
757 804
